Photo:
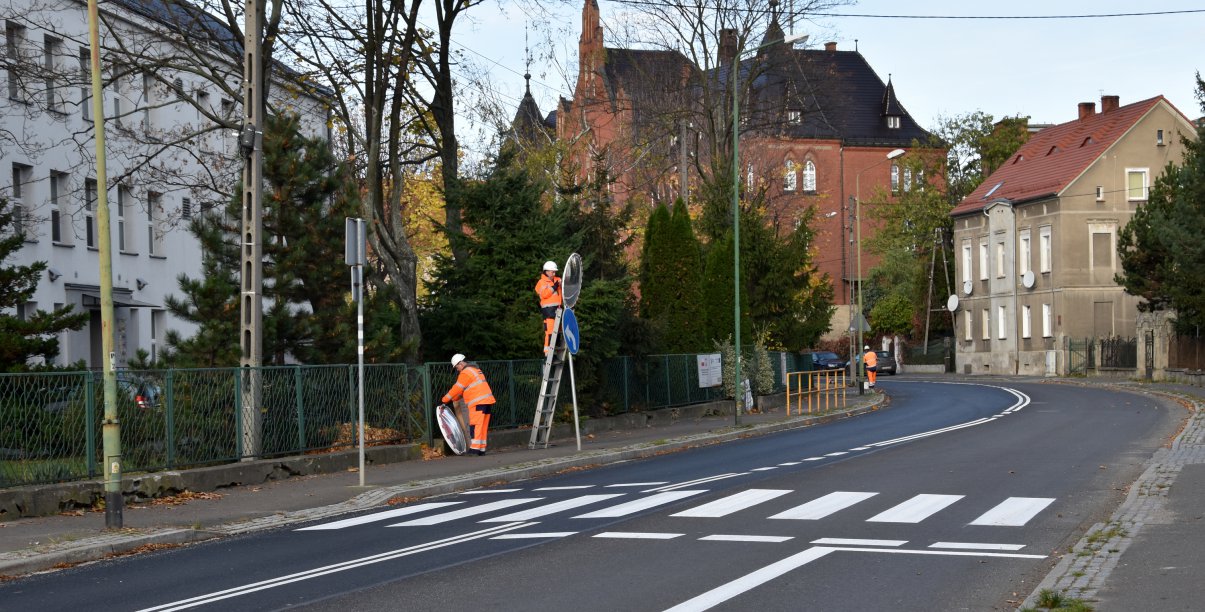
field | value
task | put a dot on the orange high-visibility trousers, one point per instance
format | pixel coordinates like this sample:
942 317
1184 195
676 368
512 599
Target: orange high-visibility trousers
479 426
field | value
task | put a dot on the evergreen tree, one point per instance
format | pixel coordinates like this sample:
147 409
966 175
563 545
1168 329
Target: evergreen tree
36 336
308 315
1162 254
671 286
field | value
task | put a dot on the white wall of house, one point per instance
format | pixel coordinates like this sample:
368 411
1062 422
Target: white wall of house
47 167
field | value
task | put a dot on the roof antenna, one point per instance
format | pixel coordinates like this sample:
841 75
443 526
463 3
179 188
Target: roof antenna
527 52
855 45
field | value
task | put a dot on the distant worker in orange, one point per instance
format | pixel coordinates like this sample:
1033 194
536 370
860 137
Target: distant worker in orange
478 398
549 290
871 359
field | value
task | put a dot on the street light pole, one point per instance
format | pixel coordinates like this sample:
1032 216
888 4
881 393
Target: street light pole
738 390
858 376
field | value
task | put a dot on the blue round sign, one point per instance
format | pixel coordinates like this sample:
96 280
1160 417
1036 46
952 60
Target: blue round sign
569 327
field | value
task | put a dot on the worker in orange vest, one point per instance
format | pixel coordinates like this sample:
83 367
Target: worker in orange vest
478 397
871 359
548 288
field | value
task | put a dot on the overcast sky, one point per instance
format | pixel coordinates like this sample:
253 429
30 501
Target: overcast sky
1041 68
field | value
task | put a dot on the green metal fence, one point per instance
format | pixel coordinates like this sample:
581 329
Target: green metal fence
179 418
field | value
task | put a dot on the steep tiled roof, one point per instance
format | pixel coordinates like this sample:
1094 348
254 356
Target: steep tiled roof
647 76
1055 156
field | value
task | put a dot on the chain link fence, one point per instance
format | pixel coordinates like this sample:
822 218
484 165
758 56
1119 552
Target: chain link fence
179 418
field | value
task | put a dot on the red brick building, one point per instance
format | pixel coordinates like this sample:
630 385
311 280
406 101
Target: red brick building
816 128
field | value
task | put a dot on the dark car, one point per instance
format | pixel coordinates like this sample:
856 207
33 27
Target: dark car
827 360
886 363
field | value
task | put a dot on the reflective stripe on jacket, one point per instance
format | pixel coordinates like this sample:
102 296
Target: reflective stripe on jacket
471 385
549 296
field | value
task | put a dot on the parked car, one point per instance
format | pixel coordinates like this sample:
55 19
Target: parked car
886 363
827 360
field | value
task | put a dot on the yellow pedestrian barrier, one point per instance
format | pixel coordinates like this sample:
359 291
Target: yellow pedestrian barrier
824 390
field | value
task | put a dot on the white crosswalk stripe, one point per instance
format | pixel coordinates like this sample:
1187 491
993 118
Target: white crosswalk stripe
459 514
635 506
560 506
916 509
1014 511
733 503
824 506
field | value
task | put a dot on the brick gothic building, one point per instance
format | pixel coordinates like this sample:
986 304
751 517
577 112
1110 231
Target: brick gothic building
817 126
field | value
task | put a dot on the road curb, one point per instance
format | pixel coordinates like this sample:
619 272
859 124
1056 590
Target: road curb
54 555
1082 572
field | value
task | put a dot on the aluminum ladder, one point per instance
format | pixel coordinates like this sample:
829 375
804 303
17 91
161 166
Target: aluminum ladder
554 364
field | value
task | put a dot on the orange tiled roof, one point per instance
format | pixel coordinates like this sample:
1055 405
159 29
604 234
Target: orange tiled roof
1055 156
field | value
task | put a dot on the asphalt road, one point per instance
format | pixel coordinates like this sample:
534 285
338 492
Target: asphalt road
956 496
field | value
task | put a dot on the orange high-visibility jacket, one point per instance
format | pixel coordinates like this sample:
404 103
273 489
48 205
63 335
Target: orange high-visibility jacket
548 295
872 359
472 386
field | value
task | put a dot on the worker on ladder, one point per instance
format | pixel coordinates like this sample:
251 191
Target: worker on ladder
548 288
478 397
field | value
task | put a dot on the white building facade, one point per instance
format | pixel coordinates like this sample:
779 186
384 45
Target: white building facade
171 106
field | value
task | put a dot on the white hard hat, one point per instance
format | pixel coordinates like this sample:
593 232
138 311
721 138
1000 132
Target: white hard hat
550 265
865 348
457 358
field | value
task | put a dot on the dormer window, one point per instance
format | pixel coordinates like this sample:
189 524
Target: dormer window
893 122
795 117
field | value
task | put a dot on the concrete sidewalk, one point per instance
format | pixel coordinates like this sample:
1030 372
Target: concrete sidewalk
34 544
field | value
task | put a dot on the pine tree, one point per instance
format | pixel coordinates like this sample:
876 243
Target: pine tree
671 289
36 336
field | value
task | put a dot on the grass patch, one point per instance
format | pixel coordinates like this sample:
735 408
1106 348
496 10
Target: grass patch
37 471
1056 601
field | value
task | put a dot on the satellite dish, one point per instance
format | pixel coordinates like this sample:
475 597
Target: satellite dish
966 287
952 303
1027 279
571 283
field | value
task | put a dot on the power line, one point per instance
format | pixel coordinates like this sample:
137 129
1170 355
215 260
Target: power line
983 17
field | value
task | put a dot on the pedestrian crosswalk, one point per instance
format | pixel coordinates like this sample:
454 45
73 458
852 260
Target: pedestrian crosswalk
776 504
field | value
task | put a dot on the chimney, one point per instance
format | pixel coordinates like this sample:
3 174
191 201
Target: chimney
830 46
1087 109
1109 103
727 45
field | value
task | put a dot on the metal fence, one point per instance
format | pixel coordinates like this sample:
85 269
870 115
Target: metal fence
192 417
1186 352
1117 352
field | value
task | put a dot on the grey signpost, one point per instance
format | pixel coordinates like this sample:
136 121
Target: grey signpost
354 255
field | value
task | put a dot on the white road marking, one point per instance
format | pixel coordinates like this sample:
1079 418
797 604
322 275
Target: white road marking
638 535
379 516
640 504
199 600
916 509
473 511
857 542
950 553
750 581
564 488
746 538
727 505
824 506
569 504
789 463
697 481
860 448
763 469
490 491
635 484
837 454
1014 511
814 459
974 546
534 536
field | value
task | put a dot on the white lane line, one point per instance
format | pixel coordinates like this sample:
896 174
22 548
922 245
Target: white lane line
199 600
739 501
789 463
638 535
857 542
823 506
750 581
837 454
860 448
763 469
379 516
974 546
534 536
916 509
473 511
1014 511
637 505
925 434
949 553
746 538
697 481
814 459
635 484
564 488
568 504
490 491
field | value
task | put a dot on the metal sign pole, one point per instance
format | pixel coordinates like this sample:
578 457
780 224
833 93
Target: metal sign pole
354 256
577 431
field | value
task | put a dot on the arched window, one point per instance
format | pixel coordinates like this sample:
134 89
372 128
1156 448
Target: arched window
895 178
809 177
790 177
